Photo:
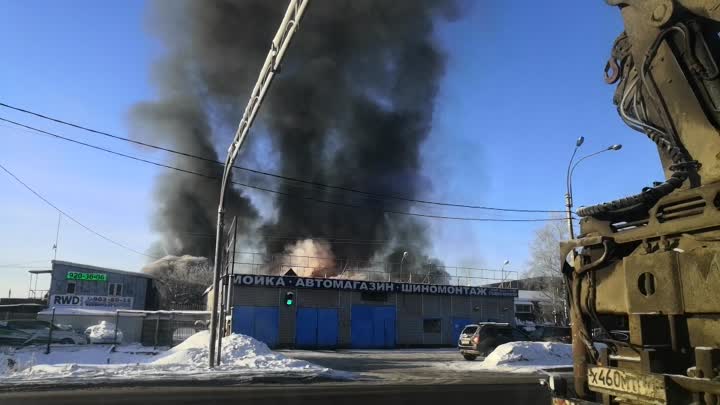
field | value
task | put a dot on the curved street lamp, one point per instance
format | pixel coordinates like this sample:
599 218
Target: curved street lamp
568 195
502 272
569 199
568 179
281 41
614 147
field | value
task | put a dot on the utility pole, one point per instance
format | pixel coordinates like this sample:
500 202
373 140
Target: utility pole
57 235
569 200
278 47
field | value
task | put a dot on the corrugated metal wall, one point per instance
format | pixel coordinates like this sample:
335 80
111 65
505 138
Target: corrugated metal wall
132 286
412 311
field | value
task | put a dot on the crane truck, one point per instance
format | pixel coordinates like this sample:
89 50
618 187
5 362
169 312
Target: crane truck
650 263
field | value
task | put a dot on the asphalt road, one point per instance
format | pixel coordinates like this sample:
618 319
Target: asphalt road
408 366
287 394
383 377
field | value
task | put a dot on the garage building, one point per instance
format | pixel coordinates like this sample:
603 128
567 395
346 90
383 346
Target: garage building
301 312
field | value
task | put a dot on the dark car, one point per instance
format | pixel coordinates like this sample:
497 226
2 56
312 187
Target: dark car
482 338
562 334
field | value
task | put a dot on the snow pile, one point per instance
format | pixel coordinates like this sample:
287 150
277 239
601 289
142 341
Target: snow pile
518 357
34 356
103 332
238 351
241 356
524 354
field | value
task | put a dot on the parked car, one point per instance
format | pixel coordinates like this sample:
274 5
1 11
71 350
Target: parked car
104 332
482 338
40 331
10 336
562 334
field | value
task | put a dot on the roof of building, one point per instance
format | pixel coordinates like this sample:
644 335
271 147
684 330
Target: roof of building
529 295
105 269
529 283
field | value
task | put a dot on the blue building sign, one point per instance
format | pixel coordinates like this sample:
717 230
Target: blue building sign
379 286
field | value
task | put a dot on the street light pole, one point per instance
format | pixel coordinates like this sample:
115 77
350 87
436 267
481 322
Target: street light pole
278 47
502 272
569 196
568 193
568 179
401 263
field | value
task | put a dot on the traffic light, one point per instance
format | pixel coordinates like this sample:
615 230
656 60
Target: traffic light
289 298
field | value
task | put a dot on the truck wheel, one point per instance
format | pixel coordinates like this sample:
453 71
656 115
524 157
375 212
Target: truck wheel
469 357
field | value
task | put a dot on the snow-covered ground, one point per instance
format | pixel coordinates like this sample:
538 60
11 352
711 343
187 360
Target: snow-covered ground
520 357
242 356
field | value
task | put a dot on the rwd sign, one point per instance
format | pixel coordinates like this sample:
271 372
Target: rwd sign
90 301
66 300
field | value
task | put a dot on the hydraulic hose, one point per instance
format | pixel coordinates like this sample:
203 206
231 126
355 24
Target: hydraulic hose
681 162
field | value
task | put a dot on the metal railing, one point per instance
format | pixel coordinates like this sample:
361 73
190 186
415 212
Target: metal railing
367 269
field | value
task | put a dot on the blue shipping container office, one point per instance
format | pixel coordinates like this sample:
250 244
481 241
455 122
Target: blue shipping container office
372 326
316 327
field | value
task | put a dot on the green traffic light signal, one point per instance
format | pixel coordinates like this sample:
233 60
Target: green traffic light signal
289 298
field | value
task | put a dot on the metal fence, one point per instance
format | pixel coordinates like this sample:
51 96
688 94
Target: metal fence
159 328
365 269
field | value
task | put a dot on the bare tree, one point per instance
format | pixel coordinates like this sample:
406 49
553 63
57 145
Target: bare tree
545 267
181 281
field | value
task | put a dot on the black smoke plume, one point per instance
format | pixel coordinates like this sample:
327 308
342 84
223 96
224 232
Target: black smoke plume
351 107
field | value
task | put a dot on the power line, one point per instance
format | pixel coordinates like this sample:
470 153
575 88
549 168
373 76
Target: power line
387 211
70 217
278 176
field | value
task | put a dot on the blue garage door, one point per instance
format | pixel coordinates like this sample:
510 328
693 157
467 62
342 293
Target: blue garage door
458 324
327 327
372 327
258 322
316 327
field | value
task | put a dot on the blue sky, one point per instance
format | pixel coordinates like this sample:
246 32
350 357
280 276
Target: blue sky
524 80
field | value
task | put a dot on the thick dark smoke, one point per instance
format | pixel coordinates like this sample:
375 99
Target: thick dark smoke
351 107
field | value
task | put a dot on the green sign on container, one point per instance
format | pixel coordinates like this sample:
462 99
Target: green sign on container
72 275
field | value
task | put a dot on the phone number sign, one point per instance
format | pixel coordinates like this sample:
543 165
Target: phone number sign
91 301
73 275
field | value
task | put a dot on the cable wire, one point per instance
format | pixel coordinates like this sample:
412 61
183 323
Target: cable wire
275 191
278 176
71 217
